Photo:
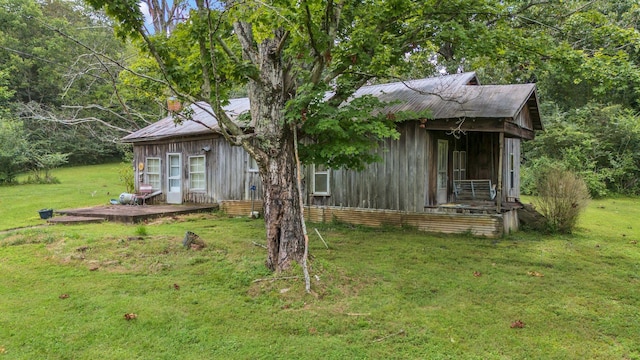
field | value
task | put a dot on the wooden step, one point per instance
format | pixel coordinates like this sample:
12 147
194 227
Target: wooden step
72 219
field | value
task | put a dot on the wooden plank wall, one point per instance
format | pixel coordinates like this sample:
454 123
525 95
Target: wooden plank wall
396 183
489 225
523 118
226 168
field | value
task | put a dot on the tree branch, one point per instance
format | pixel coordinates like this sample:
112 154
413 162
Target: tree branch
244 33
42 114
227 50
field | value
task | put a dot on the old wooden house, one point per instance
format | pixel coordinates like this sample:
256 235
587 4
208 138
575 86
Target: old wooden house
457 170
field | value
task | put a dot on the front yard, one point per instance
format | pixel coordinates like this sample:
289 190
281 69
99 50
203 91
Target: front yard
377 293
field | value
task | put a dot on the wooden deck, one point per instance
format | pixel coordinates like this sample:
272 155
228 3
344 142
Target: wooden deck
127 213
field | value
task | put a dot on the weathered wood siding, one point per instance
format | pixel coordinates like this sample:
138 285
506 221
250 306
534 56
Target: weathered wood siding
226 168
405 180
398 182
523 118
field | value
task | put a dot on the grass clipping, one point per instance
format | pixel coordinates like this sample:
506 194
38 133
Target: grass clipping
562 196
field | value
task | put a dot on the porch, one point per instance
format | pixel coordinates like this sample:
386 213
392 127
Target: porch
126 213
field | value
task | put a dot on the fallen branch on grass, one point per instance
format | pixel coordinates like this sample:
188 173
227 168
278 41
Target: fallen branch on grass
277 278
256 244
388 336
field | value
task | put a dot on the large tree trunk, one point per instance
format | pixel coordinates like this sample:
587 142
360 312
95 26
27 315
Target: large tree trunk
285 238
274 150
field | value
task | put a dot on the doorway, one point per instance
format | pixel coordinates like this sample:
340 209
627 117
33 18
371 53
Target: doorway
174 179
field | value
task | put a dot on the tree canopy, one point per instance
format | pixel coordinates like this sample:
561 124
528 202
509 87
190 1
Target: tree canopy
60 64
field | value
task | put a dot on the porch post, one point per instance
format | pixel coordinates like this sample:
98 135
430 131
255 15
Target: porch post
500 164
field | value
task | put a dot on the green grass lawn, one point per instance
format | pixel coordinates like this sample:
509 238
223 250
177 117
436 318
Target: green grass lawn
377 293
80 186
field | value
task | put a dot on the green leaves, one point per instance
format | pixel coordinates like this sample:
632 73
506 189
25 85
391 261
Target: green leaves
13 150
602 144
342 136
127 12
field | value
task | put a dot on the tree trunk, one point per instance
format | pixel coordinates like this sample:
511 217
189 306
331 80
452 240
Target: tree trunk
285 238
274 151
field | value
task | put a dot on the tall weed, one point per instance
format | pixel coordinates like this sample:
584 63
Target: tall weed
562 196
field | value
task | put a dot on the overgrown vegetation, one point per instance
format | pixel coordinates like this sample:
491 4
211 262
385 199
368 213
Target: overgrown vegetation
561 197
59 73
18 154
599 143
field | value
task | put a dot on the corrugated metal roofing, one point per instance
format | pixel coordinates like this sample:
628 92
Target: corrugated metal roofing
202 121
449 100
447 97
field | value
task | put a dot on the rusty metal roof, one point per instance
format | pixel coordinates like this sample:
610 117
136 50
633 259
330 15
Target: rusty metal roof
446 97
200 121
453 102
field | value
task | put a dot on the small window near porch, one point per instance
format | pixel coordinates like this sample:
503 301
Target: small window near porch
197 174
152 173
321 180
459 165
512 170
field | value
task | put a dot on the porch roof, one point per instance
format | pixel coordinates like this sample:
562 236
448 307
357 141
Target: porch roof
455 102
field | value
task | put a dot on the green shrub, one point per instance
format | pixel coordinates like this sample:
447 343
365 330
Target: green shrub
561 197
41 165
596 181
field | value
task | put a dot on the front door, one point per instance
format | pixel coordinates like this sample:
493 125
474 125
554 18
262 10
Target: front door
174 179
443 171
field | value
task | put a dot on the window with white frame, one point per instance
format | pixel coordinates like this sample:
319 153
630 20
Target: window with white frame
321 175
197 177
152 173
252 165
459 165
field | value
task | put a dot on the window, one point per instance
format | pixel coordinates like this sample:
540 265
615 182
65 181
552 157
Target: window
252 165
512 170
153 173
443 148
459 165
196 173
320 180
